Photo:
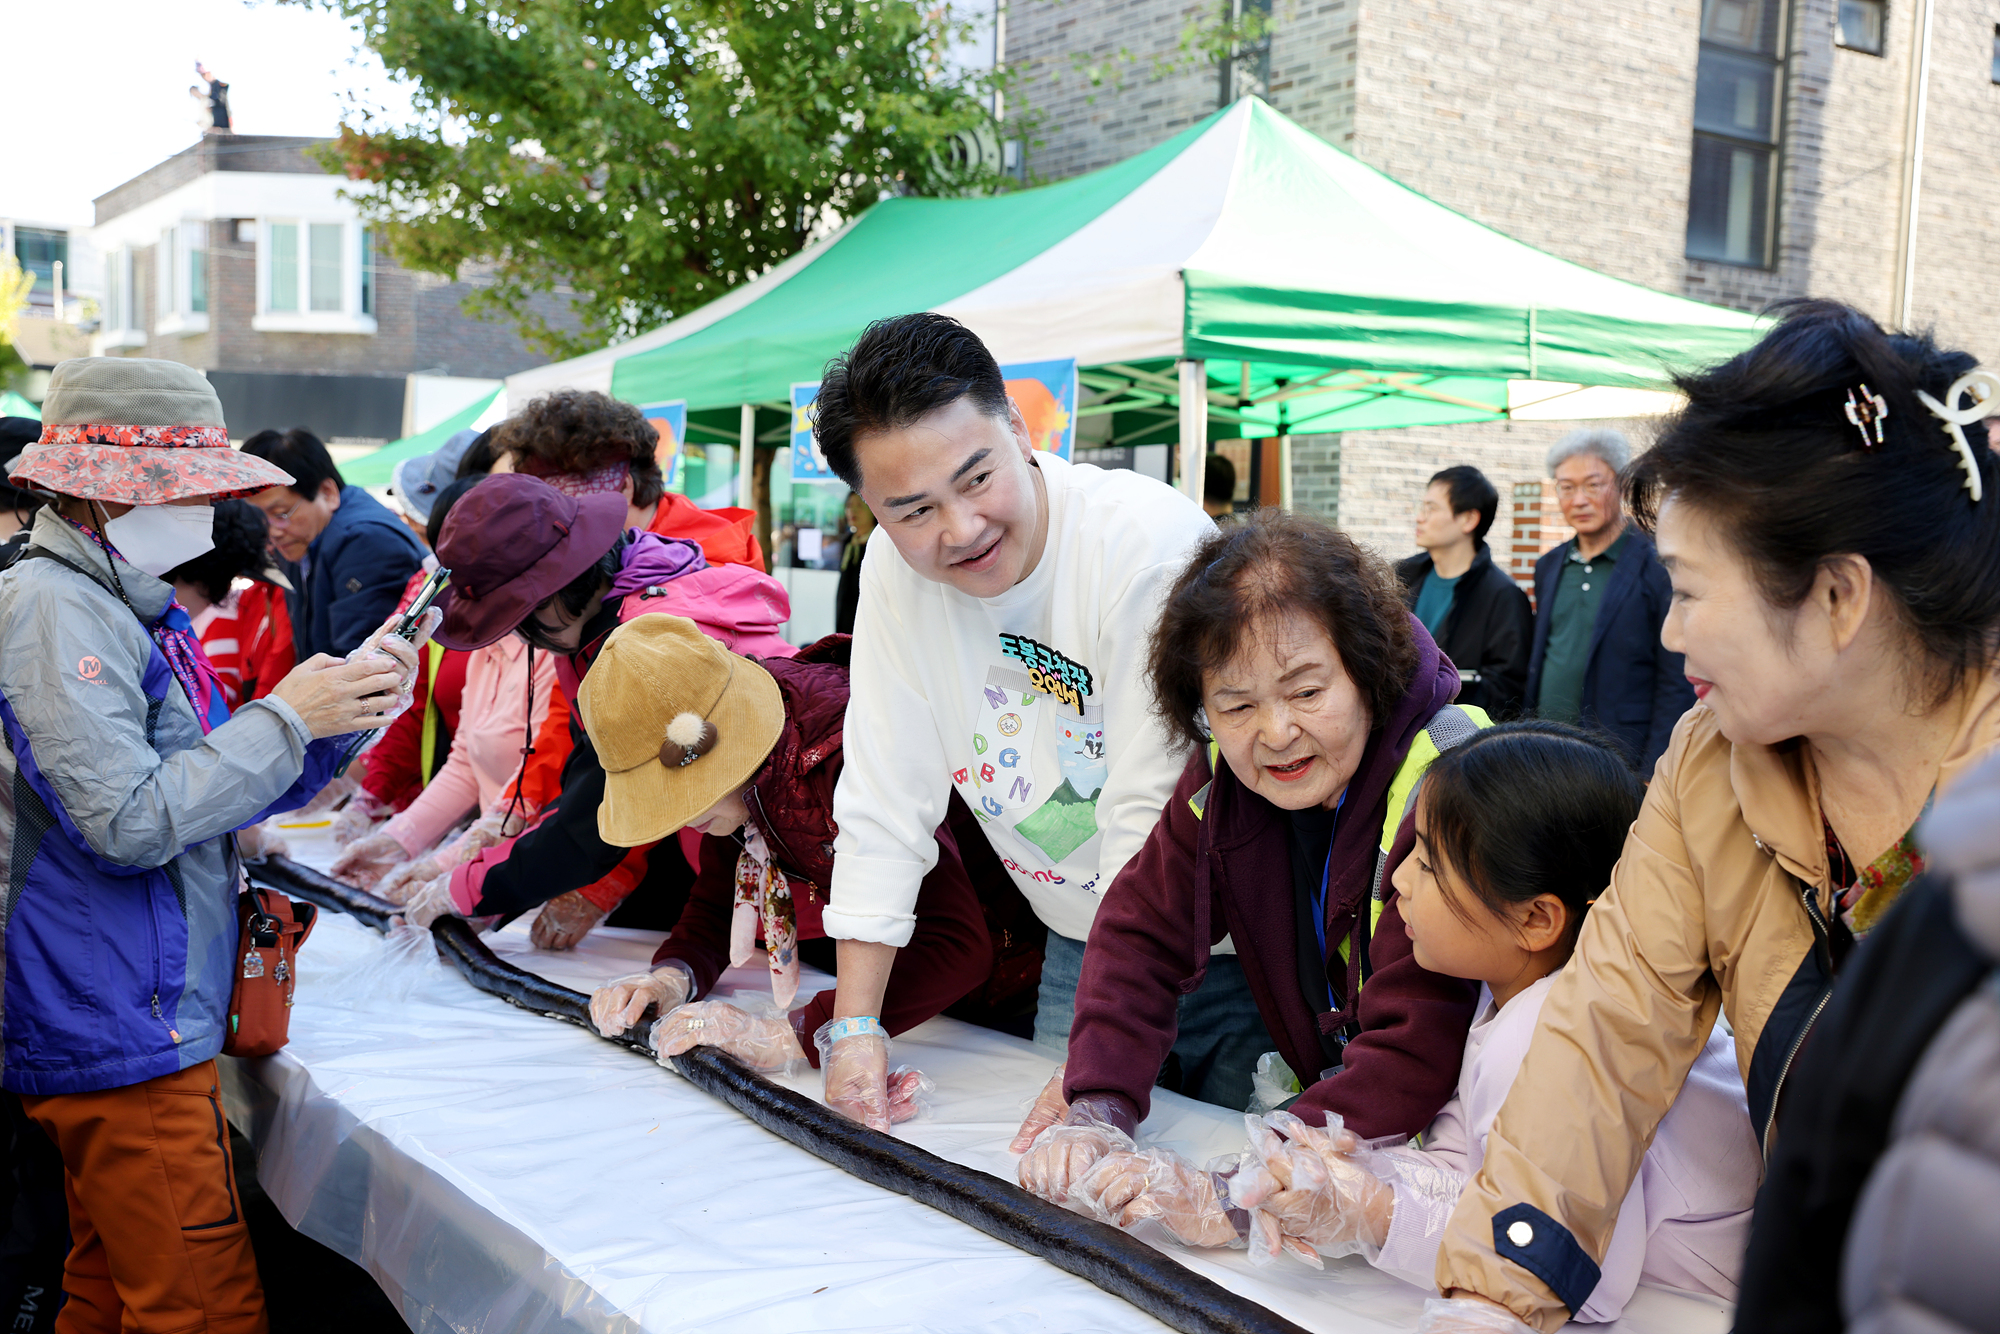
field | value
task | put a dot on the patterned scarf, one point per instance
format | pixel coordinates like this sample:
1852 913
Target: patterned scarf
174 633
764 901
1863 894
600 482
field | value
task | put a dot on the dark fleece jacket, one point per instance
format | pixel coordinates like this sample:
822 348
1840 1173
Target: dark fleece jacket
791 799
1230 872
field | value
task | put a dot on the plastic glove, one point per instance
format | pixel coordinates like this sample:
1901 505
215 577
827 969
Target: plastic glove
623 1001
368 860
856 1071
1049 1109
261 840
563 921
1125 1189
430 903
358 817
372 647
1062 1154
906 1090
485 832
761 1041
329 796
1310 1192
1469 1315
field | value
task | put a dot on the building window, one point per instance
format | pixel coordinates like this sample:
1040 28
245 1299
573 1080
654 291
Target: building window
165 265
119 325
1860 25
195 237
1996 53
1739 91
39 250
315 277
283 278
180 268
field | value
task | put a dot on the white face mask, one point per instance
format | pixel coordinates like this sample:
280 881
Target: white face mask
156 538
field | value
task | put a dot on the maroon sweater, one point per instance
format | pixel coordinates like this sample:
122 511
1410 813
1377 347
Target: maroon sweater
1230 872
791 799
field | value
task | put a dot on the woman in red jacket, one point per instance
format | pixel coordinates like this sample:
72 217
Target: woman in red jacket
748 752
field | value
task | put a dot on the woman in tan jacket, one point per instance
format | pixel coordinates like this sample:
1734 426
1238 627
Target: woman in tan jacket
1832 530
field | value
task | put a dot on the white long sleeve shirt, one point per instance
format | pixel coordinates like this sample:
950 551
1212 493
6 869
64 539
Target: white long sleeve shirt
1684 1224
1034 705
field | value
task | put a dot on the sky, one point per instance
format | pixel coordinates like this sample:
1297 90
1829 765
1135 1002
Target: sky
97 89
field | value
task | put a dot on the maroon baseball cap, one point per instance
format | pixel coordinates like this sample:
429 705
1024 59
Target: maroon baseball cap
511 542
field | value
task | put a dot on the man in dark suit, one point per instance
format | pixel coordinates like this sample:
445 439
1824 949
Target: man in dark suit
1600 599
1473 609
347 556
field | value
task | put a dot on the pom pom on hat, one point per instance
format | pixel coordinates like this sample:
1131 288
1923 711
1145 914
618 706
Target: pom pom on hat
689 737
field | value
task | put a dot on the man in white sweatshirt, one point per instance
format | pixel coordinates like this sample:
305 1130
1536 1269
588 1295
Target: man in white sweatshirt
999 649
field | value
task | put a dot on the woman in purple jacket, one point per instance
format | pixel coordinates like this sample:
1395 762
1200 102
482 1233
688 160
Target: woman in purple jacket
1285 654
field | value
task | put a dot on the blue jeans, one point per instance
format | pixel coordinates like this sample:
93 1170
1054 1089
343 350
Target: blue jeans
1220 1037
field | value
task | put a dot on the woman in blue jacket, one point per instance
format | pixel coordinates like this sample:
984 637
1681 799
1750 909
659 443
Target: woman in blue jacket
122 778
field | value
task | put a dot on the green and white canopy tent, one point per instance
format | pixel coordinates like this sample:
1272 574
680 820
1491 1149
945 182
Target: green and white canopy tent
1244 278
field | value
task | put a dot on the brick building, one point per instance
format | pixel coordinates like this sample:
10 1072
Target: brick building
239 256
1736 151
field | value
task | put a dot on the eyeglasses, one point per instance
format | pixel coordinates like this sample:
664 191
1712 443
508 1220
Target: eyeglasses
283 518
1596 486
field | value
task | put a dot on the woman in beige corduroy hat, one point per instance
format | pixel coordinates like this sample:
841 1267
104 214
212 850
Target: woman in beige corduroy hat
748 750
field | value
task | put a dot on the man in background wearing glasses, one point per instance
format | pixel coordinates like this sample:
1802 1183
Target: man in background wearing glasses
1600 599
347 556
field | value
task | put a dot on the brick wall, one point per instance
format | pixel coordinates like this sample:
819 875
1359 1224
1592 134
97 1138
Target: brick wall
1565 126
1534 526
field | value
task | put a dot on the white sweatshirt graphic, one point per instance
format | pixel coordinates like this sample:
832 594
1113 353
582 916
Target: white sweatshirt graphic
1033 705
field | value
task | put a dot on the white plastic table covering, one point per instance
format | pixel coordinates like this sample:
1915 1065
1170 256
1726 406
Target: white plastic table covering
499 1172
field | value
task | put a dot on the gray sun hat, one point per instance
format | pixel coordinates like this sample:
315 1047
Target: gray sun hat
139 431
417 480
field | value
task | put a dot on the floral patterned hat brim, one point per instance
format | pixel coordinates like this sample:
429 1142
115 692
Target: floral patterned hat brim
144 465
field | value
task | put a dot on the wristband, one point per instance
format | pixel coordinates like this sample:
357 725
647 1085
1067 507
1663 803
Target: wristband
859 1026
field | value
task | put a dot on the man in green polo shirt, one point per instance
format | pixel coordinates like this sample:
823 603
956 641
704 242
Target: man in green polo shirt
1600 600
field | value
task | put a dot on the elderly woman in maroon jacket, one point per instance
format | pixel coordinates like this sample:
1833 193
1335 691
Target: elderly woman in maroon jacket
747 751
1314 700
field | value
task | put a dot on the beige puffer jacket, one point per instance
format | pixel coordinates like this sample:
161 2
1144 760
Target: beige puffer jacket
1708 911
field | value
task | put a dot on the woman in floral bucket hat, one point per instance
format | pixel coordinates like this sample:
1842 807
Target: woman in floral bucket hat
128 776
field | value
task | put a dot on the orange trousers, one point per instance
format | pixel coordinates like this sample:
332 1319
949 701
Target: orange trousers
158 1242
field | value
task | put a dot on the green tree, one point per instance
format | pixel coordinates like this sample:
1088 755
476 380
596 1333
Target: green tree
648 154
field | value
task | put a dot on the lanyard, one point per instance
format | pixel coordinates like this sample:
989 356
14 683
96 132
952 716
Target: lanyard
1319 900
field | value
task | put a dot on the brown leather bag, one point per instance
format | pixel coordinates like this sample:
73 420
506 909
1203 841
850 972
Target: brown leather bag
260 1002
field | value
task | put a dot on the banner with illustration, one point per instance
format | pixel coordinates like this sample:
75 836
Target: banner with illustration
671 421
808 464
1046 394
1045 390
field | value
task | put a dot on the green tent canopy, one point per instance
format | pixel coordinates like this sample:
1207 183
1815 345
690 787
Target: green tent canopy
1244 278
379 467
13 405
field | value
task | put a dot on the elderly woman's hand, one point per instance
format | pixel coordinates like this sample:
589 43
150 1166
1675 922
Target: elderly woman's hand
334 697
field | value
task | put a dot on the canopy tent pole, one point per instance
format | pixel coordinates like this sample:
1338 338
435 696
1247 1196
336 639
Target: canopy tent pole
746 456
1194 425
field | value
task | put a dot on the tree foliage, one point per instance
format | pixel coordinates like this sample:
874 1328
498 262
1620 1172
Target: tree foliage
648 154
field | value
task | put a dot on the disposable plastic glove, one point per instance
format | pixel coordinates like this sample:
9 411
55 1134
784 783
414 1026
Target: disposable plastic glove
1062 1154
563 921
621 1002
430 903
374 647
358 817
1125 1189
1468 1315
761 1041
368 860
1049 1109
261 840
1310 1192
329 796
485 832
906 1090
856 1071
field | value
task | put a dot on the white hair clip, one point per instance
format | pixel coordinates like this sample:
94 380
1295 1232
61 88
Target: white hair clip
1984 387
